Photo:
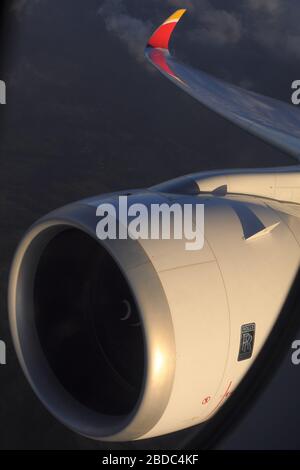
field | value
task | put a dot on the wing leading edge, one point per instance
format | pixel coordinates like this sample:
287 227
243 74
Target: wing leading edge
271 120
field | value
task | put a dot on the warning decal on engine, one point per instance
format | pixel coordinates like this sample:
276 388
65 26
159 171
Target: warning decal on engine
247 341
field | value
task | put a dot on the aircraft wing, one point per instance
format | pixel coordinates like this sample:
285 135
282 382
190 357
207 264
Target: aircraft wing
271 120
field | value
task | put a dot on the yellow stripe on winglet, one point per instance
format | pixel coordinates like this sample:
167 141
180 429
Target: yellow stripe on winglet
176 16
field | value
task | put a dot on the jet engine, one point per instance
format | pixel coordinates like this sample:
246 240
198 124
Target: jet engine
123 339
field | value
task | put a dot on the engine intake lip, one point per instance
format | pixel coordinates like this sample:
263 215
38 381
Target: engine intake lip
158 334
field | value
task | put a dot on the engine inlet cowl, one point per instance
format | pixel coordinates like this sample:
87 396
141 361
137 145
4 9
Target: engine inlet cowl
80 313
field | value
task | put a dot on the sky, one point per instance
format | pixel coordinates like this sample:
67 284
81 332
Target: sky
85 115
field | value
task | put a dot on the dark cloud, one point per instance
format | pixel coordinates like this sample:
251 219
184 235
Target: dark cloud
275 26
272 7
21 6
218 27
134 32
271 24
18 5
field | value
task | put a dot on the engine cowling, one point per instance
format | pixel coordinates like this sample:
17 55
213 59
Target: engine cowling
130 339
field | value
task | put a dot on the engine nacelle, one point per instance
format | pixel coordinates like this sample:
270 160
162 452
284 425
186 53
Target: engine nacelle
130 339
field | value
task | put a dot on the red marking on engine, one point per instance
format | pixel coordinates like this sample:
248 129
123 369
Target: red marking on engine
223 397
206 400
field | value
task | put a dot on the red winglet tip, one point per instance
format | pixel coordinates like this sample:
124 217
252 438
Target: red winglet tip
161 37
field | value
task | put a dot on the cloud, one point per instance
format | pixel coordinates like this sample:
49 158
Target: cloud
272 7
134 32
293 44
20 6
189 4
213 26
273 25
218 27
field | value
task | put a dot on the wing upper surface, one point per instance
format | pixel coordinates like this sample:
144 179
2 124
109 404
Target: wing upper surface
274 121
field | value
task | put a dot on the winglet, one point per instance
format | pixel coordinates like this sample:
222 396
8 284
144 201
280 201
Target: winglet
161 37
